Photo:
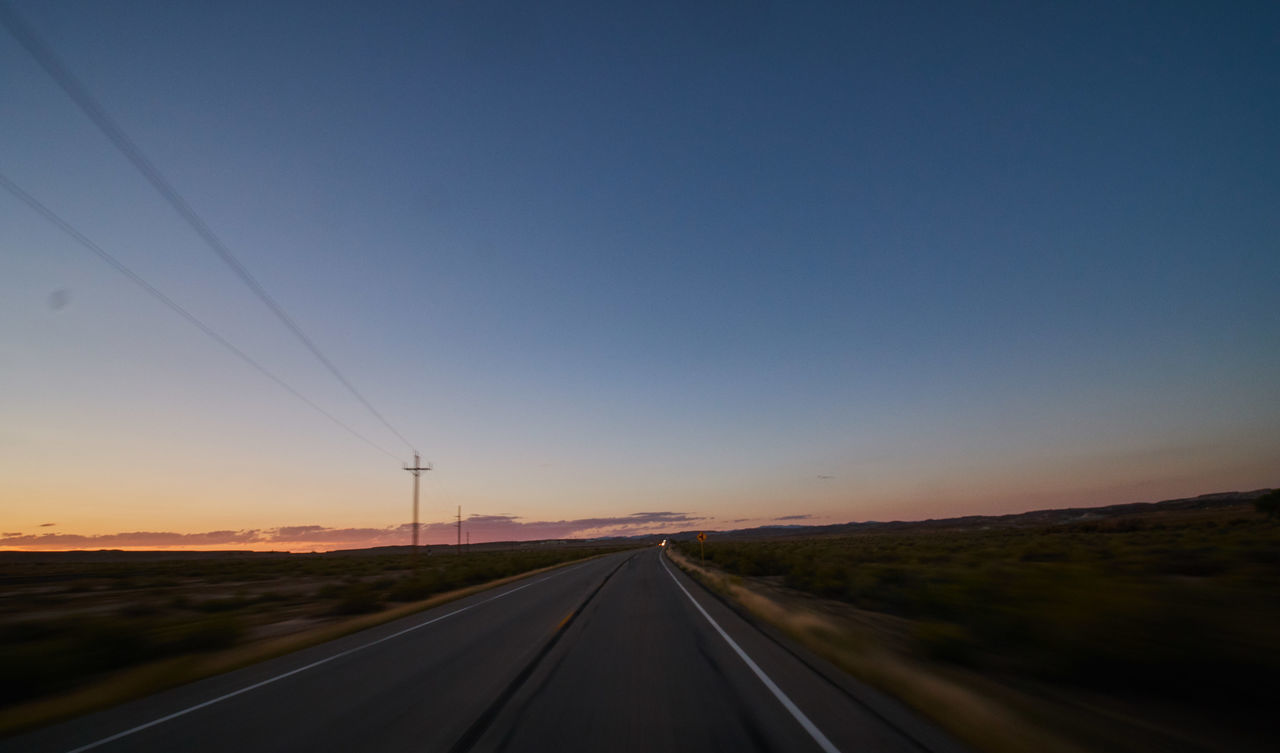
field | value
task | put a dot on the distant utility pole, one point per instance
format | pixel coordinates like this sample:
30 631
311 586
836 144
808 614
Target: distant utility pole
459 529
416 470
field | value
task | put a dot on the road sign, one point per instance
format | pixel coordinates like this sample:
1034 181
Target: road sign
702 537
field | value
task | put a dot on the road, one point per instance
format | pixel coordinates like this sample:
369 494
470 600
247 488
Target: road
620 653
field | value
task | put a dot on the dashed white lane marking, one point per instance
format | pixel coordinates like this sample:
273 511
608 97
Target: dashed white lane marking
786 702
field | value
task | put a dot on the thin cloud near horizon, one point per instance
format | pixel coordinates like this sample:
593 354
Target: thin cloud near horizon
499 527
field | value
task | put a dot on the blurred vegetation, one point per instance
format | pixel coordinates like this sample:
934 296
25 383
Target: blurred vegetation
1269 504
1172 608
66 623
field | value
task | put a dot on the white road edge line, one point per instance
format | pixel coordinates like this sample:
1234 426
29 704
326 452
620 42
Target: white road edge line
786 702
312 665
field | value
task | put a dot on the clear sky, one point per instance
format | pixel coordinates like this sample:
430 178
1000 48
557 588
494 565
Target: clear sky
617 267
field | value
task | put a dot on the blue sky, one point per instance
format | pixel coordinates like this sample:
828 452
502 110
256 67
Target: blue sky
597 260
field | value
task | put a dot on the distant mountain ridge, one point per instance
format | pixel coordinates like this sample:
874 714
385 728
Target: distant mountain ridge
1031 519
1034 518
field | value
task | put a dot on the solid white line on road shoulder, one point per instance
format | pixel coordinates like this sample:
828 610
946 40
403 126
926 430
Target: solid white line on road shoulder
312 665
786 702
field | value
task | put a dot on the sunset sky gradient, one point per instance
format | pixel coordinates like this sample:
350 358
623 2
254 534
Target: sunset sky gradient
733 263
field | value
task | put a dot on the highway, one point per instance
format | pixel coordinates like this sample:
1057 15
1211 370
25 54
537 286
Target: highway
619 653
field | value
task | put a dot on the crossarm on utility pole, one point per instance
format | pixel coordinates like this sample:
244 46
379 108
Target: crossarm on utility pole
416 470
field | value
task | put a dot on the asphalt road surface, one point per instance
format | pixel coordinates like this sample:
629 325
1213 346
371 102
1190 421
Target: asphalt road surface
620 653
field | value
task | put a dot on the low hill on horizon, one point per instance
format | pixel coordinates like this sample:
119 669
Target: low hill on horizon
1030 519
1033 518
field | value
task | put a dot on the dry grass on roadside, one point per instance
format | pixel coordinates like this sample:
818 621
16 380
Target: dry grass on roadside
318 613
978 721
1142 632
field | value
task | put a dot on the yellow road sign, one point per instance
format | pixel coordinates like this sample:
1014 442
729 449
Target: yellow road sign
702 537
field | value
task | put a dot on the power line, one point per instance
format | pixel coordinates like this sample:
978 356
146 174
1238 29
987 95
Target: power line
120 267
79 94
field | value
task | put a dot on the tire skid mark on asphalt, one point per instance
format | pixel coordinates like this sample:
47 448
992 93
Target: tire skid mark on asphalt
487 717
735 698
818 737
312 665
870 708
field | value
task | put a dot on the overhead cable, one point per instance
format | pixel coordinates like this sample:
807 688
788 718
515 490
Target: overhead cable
79 94
120 267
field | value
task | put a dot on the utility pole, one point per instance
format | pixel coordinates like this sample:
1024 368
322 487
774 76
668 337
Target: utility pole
416 470
459 529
